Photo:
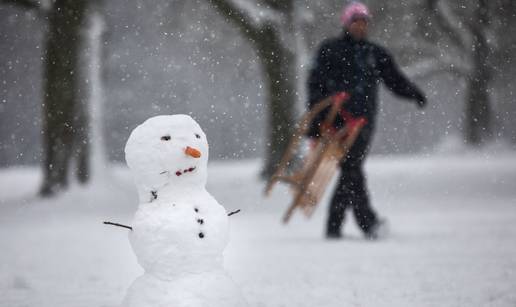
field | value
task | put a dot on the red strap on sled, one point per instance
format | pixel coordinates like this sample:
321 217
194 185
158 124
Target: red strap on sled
351 122
338 100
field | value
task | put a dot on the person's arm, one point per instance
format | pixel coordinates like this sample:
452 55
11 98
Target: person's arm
396 81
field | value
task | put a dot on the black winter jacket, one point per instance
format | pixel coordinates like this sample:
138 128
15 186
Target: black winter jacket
355 67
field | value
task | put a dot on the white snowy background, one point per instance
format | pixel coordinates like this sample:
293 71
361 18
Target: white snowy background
451 209
452 216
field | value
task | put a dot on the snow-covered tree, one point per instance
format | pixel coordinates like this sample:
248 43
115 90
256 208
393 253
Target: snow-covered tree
65 111
462 37
276 30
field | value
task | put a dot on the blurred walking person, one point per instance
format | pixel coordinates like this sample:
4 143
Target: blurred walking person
351 63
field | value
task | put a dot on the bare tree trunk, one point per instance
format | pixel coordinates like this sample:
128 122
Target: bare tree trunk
478 106
62 93
471 42
82 142
478 112
278 65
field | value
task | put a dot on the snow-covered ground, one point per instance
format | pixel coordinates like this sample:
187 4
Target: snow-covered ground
452 242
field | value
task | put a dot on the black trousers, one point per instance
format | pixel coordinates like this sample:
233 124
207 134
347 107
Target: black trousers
351 191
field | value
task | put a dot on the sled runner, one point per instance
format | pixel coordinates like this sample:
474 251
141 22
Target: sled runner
309 180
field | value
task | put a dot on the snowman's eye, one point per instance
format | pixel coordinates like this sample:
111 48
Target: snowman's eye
165 138
197 136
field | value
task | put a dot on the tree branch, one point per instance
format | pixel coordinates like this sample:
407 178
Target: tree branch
447 28
479 21
230 11
26 4
280 5
432 60
428 67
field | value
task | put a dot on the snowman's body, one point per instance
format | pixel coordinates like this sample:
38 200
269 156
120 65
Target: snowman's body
179 230
212 289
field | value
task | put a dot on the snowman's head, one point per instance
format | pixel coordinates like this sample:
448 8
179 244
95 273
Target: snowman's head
168 151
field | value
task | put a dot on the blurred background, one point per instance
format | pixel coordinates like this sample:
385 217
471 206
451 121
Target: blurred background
76 76
189 57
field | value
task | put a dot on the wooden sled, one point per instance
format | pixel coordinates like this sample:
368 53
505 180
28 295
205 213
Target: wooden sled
310 180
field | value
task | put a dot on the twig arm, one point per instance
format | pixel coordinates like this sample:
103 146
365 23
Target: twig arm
119 225
233 212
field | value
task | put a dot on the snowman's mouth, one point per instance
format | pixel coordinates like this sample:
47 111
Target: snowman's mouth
186 170
180 172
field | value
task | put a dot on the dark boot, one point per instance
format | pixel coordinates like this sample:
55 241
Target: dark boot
379 230
335 220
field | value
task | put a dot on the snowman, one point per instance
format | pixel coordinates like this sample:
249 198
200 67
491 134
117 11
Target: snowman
179 231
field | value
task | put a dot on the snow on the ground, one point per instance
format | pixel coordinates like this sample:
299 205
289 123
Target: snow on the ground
452 242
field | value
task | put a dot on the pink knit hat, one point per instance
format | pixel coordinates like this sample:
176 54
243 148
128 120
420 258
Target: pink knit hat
354 11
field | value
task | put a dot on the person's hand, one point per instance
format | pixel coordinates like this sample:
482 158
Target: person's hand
420 100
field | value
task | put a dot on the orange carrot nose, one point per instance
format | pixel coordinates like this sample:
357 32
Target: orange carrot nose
192 152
